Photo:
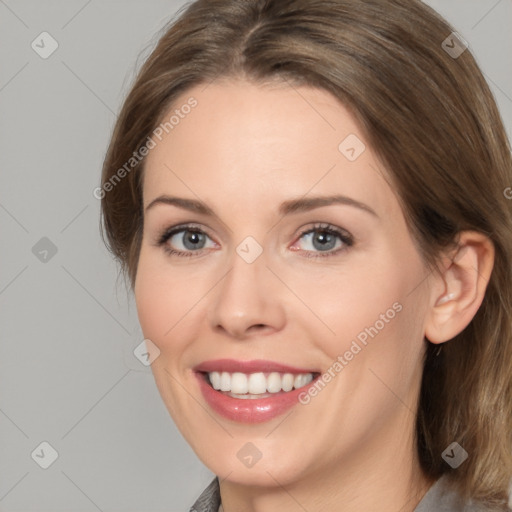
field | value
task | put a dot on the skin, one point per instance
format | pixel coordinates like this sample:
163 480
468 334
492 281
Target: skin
243 151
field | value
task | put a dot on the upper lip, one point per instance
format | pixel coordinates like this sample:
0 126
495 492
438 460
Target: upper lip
254 366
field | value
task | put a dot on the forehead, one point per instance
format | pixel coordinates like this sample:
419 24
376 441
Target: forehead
252 143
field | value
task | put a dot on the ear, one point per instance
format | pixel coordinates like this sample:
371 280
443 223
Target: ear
459 288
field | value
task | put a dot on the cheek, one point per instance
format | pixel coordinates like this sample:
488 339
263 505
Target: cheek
169 304
149 302
372 306
158 308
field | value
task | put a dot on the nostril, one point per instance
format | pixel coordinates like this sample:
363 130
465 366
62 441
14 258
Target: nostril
258 327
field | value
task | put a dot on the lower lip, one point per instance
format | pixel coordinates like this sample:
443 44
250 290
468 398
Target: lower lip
250 410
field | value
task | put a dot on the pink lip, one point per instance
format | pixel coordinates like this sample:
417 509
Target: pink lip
257 365
249 410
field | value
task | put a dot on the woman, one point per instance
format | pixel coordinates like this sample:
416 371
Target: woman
308 199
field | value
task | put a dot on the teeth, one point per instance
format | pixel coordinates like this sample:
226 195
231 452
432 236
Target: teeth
287 382
215 380
239 383
274 382
225 382
257 383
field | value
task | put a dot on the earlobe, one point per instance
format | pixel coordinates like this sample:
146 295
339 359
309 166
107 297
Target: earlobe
463 283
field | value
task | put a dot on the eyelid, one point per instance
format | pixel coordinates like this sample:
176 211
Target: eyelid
345 236
326 226
342 234
167 232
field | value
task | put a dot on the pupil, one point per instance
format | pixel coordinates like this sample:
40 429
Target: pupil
324 239
192 239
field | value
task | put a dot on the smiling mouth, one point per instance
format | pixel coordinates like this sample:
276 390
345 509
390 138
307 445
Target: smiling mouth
257 385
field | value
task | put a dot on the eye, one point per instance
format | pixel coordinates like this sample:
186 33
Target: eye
184 241
189 241
326 239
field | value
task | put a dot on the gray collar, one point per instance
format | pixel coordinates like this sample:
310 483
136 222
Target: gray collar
439 498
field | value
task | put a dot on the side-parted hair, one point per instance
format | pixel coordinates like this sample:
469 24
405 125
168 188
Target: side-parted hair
430 117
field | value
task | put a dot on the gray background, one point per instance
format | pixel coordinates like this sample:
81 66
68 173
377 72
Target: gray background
68 375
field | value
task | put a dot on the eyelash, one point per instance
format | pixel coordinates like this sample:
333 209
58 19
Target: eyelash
343 235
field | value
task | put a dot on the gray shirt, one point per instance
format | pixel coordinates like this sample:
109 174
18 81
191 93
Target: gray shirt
439 498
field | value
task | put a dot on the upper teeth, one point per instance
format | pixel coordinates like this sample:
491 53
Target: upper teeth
258 383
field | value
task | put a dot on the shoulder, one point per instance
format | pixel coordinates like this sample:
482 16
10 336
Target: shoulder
209 501
441 498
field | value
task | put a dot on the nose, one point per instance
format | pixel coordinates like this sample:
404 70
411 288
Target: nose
247 302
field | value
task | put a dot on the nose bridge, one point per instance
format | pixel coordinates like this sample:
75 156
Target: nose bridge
242 300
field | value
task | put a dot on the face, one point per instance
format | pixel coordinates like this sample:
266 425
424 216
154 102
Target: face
304 313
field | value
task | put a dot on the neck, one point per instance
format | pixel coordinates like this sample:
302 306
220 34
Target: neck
384 476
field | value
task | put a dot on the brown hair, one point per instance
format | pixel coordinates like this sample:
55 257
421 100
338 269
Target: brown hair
433 122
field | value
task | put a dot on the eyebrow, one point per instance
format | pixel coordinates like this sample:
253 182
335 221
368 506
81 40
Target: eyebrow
286 208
